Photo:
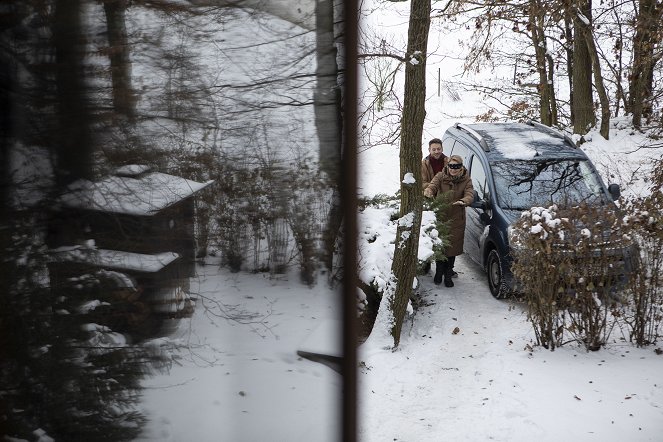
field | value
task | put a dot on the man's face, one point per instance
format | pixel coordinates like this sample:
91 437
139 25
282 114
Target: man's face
435 150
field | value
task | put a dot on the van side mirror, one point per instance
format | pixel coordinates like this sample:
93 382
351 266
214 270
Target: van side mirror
615 191
477 203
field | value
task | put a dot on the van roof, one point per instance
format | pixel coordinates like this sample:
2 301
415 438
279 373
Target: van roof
524 141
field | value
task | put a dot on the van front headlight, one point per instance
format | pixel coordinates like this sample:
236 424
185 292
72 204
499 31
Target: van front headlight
513 235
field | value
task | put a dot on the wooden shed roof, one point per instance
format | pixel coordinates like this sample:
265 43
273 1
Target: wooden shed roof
133 191
114 259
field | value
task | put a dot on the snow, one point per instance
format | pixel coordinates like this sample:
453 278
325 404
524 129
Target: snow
466 369
241 379
409 178
132 169
115 259
517 145
324 339
132 195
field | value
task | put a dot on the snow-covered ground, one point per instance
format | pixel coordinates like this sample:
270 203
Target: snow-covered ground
240 378
466 369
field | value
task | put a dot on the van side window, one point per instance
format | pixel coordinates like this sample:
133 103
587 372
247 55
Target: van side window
458 149
447 145
478 175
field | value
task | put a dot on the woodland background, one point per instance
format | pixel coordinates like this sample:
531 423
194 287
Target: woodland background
88 86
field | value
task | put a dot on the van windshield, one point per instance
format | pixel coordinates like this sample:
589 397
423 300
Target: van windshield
522 184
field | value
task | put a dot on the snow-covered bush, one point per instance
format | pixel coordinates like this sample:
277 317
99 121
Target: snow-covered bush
377 223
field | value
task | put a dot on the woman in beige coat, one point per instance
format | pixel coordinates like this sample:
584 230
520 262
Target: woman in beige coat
454 186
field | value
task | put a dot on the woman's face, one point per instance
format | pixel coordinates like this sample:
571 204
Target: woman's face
455 167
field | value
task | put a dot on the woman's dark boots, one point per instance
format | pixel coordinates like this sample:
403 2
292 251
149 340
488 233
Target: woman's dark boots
440 269
444 270
449 271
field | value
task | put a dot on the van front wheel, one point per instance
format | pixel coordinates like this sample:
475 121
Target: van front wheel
495 272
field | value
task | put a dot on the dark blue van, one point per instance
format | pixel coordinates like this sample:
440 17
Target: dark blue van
514 167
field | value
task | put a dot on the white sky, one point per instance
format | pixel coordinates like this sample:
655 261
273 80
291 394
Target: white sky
466 369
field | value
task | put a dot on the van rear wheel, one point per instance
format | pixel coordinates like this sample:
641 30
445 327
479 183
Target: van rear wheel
495 272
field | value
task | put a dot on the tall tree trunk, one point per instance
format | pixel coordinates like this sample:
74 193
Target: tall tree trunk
554 116
7 85
72 140
407 234
647 35
618 49
328 122
568 32
583 104
588 37
118 54
537 34
327 96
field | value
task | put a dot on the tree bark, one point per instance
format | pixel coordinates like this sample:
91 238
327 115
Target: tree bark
547 108
7 85
73 138
327 96
118 54
328 119
587 35
584 116
554 115
568 33
647 35
407 235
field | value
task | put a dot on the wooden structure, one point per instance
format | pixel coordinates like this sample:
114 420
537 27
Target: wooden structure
136 223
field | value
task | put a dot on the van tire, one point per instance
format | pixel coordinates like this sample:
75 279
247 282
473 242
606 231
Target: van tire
495 271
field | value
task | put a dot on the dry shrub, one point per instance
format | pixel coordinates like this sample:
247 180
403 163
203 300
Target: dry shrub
645 313
570 265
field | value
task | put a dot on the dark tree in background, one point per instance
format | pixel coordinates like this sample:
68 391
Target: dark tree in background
118 54
584 117
73 143
544 64
609 52
327 103
648 36
584 35
59 373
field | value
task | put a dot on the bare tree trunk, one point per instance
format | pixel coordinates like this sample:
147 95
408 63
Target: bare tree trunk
554 116
568 31
118 54
331 230
72 145
546 92
407 233
7 85
328 122
618 70
327 97
647 35
583 104
588 37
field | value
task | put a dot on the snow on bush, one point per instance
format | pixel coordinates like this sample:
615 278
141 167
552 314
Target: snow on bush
376 239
